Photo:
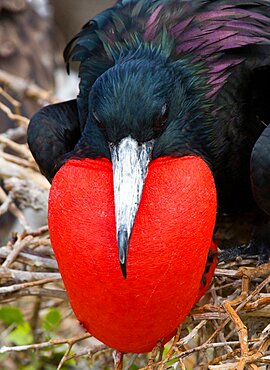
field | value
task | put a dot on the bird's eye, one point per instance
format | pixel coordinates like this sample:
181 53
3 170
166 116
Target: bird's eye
162 118
99 122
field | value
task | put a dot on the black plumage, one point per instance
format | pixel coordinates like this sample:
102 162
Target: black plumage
191 75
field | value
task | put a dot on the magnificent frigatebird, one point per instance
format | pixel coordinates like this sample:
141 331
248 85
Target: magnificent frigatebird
173 105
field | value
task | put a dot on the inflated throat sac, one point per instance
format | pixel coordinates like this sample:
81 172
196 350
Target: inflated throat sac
167 253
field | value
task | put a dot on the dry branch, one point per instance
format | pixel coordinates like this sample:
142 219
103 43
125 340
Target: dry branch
50 343
8 204
23 121
26 88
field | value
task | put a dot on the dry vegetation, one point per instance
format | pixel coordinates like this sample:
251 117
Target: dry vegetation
230 329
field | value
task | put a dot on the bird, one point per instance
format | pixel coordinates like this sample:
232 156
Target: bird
169 130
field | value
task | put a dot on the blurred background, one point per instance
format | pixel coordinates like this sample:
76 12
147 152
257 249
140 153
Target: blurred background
33 35
70 15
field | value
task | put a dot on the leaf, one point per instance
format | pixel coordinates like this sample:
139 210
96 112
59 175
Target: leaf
10 315
21 335
52 319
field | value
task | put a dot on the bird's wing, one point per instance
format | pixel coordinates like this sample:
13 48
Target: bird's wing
52 133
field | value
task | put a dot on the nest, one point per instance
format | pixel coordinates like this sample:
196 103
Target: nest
228 329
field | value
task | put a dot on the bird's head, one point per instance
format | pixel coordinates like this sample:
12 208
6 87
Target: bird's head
137 112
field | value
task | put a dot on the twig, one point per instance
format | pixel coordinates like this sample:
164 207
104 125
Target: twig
99 348
6 201
172 348
29 276
27 194
118 360
9 169
26 88
39 292
13 209
241 328
259 303
254 272
229 366
242 332
70 343
226 272
35 317
17 248
16 104
158 349
182 365
31 259
227 356
21 149
16 133
22 162
13 288
222 338
14 117
50 343
256 356
41 230
191 335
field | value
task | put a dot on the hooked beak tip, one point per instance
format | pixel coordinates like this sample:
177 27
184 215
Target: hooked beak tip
122 237
124 269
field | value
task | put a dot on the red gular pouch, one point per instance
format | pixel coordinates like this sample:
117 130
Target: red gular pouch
167 255
209 270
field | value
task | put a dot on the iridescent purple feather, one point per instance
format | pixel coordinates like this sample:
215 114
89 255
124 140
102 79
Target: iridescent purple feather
215 32
209 31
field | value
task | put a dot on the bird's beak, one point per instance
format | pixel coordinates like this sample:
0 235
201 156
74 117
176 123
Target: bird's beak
130 164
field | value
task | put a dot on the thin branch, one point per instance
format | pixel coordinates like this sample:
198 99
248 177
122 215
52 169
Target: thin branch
34 292
29 276
118 360
5 199
21 149
20 120
241 328
172 348
191 335
26 88
16 104
17 248
20 161
50 343
30 259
